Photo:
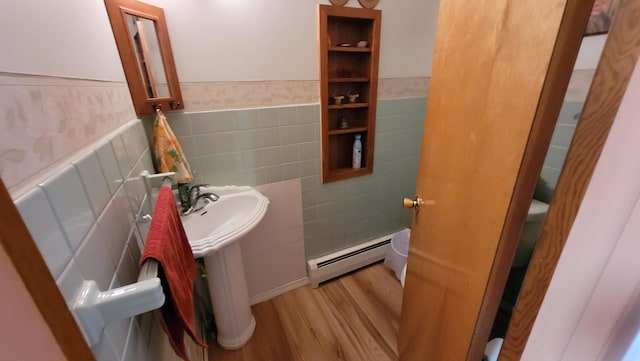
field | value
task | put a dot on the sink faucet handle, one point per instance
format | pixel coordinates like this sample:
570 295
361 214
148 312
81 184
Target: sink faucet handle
210 196
197 205
194 191
197 187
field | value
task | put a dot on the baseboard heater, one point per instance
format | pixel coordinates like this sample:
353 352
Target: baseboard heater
338 263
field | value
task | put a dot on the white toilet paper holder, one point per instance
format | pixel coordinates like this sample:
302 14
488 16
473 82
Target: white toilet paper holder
94 309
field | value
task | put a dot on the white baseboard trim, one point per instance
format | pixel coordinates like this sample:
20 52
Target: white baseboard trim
265 296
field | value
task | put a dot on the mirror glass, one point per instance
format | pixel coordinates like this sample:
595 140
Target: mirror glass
147 51
142 37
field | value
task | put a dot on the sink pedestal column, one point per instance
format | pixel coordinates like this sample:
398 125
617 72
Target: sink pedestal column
229 296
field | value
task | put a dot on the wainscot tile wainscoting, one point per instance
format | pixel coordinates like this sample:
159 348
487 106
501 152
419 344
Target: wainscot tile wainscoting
83 219
45 120
560 141
273 144
563 133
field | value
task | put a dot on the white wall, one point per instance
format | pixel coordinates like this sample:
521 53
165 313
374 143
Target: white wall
216 40
67 38
242 40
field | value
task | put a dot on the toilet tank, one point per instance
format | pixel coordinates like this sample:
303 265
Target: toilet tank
530 232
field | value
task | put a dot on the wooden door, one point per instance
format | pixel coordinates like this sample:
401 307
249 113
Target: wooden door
499 74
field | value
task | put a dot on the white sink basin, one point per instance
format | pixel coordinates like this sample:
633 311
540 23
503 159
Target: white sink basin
213 233
219 223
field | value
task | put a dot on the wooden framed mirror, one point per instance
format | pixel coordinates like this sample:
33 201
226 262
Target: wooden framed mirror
143 42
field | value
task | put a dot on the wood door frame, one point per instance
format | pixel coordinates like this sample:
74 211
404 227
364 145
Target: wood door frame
619 58
25 257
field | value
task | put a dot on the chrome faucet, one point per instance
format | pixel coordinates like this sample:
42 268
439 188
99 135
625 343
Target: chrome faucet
194 192
198 200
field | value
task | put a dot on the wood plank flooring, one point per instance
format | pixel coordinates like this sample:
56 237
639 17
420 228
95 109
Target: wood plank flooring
352 318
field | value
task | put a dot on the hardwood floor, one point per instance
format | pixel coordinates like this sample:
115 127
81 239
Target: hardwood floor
352 318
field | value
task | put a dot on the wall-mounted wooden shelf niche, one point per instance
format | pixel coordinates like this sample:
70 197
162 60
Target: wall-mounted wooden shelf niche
349 41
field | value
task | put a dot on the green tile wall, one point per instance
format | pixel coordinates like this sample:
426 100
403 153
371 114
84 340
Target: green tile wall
341 214
266 145
560 141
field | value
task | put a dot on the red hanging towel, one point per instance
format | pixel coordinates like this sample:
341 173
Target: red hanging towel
168 244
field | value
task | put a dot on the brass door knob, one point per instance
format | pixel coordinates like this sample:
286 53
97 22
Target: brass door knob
416 203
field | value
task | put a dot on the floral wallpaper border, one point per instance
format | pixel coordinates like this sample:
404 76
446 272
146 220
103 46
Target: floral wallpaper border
45 120
49 119
202 96
231 95
579 85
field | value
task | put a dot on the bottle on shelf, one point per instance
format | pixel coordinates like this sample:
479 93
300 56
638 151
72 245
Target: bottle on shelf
357 152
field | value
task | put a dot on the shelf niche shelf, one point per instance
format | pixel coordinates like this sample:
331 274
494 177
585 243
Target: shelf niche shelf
347 70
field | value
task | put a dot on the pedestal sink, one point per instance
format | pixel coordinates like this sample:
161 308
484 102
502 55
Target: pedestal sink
213 233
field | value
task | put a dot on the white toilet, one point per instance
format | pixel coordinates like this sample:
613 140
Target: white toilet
530 232
492 351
